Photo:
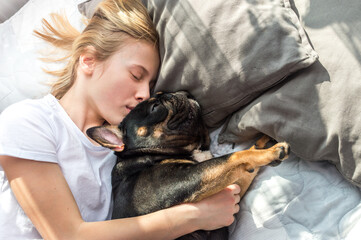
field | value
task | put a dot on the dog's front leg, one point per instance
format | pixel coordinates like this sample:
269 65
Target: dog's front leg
240 167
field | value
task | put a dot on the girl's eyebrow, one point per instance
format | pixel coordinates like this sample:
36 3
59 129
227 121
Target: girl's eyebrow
140 66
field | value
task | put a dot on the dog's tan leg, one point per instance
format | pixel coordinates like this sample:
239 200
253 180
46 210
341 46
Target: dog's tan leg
261 143
240 167
246 178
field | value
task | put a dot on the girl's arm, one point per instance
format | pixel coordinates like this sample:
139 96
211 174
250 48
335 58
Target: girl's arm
43 193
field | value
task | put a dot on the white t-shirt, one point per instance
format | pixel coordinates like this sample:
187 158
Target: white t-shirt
41 130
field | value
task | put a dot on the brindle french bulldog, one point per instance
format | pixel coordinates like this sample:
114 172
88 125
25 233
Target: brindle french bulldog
155 168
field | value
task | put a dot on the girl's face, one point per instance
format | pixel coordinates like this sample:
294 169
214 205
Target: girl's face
118 84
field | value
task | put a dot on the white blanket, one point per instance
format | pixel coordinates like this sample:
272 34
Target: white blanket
296 200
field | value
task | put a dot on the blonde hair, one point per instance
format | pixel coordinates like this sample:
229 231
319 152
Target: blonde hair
113 22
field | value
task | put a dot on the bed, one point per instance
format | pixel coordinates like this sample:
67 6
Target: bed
290 69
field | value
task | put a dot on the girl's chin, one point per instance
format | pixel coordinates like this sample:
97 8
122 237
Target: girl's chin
117 119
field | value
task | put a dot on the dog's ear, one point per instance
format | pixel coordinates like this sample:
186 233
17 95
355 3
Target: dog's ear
107 136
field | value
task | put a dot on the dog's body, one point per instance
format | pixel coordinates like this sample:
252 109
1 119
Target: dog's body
155 167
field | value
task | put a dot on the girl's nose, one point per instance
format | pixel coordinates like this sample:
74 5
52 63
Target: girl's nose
143 92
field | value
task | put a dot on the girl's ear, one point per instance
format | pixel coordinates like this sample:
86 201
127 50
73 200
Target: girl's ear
87 60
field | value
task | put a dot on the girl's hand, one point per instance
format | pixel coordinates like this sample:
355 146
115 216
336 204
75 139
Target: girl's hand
218 210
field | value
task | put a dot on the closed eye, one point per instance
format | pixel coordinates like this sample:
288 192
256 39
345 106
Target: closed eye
136 77
137 71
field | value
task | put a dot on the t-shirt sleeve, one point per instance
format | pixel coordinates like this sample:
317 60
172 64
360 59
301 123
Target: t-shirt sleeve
26 132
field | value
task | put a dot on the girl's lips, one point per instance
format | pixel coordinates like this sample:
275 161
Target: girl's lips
129 108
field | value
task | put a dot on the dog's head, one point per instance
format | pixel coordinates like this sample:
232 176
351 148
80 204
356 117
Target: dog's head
167 123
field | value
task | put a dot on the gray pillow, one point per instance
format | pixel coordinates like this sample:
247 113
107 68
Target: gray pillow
317 110
226 53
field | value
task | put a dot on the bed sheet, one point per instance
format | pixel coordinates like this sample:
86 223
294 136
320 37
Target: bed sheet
296 200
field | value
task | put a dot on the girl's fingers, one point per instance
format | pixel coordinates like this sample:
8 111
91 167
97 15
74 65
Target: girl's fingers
236 208
235 188
237 198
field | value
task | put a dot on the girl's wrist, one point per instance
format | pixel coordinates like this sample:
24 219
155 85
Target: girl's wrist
184 218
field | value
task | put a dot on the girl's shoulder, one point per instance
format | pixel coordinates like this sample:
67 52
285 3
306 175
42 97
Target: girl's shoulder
29 110
27 130
30 117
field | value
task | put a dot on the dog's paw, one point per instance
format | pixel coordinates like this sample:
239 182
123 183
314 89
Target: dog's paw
282 151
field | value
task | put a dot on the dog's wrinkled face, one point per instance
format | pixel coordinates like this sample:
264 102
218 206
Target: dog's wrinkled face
168 123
